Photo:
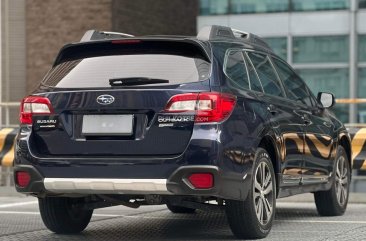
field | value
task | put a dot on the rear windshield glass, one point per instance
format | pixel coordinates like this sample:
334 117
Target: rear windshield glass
96 71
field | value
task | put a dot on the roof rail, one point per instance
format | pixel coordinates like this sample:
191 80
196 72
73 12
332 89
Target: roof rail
241 34
216 32
99 35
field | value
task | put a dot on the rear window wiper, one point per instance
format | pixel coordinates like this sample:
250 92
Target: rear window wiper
135 81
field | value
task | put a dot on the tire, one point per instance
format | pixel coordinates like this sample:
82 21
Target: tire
179 209
60 215
334 201
242 215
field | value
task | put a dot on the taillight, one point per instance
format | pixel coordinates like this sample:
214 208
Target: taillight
208 106
34 105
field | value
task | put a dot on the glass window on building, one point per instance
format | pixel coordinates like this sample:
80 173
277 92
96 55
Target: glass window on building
321 49
361 94
329 80
255 6
361 83
316 5
279 46
214 7
362 4
362 48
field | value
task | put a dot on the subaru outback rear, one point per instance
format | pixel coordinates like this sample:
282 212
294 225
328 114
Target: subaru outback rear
124 120
129 121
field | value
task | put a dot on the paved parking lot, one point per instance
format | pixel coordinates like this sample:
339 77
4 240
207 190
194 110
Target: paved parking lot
20 220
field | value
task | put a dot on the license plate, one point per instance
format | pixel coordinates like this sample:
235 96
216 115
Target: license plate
107 125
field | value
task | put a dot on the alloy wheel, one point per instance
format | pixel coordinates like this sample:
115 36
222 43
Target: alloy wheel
263 193
341 181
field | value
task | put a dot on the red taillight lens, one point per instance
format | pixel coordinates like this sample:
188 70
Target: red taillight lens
208 107
22 178
34 105
201 180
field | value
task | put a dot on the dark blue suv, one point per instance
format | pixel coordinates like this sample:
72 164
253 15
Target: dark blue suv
212 121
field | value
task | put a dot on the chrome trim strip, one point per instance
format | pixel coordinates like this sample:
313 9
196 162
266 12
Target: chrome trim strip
310 179
106 186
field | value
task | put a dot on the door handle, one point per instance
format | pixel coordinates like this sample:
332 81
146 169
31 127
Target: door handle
272 109
327 124
306 119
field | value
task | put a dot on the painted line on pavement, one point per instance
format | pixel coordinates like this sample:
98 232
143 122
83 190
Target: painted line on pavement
9 205
321 221
37 213
16 212
94 215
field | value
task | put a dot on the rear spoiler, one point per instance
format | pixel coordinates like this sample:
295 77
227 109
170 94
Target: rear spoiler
131 45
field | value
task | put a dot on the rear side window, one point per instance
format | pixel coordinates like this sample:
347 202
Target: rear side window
235 69
294 86
271 84
255 83
240 71
93 68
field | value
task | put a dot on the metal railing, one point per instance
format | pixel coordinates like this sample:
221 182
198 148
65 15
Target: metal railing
6 173
5 110
6 177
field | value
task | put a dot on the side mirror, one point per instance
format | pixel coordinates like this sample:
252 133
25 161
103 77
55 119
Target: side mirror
326 99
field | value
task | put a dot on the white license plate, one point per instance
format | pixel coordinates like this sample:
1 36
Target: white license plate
107 125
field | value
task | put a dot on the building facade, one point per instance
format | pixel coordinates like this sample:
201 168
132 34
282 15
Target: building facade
324 40
33 31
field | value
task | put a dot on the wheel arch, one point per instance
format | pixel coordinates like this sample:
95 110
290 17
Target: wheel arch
345 142
269 145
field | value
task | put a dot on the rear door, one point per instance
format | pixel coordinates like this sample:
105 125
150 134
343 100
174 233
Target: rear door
319 146
285 120
108 99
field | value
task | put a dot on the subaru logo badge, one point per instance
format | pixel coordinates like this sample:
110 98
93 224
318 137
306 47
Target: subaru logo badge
105 99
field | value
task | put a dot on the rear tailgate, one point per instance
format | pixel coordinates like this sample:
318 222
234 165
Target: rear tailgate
149 134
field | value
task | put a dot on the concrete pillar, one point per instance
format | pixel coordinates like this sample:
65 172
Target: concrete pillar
353 61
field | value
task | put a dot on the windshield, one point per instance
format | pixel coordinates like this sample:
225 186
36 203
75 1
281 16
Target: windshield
97 71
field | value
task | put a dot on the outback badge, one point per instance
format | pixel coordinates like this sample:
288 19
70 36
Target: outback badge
105 99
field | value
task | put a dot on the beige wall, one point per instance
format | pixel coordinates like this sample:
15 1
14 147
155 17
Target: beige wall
13 64
52 23
33 31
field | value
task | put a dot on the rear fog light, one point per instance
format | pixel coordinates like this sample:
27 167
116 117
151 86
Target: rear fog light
22 179
201 180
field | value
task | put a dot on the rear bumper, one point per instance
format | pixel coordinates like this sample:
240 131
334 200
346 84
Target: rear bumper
226 185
